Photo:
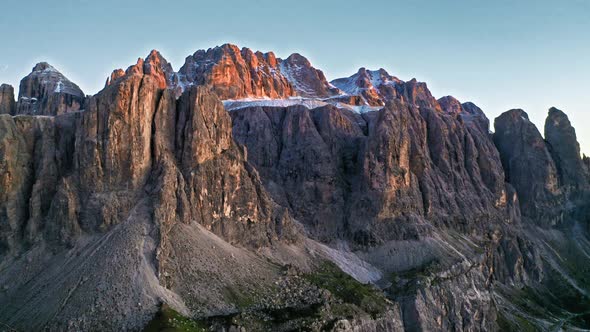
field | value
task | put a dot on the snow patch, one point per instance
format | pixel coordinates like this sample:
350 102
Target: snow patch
58 87
358 109
349 262
376 78
291 73
348 85
231 105
309 103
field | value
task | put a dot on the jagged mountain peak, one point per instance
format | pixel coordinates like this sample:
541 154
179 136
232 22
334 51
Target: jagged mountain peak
557 114
473 110
117 73
561 137
307 80
241 74
154 65
46 91
155 57
557 120
298 58
41 66
366 78
450 104
515 113
377 87
468 111
376 74
235 73
49 76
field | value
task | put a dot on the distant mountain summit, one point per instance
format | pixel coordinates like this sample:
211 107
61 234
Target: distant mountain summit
236 73
373 86
240 76
46 91
306 80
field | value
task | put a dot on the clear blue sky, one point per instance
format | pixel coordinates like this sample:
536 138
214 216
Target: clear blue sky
498 54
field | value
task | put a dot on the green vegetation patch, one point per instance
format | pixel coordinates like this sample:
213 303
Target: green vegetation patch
242 300
519 324
345 288
169 320
408 282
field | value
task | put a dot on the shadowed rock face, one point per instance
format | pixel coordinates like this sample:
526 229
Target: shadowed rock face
527 162
417 93
549 178
450 105
45 91
565 150
548 174
37 152
366 176
399 174
7 103
471 112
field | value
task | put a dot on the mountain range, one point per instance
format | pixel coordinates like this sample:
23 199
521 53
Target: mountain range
245 192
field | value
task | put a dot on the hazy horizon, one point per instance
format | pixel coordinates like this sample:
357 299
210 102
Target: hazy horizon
530 55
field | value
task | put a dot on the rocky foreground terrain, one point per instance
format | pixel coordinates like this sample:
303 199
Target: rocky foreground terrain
247 193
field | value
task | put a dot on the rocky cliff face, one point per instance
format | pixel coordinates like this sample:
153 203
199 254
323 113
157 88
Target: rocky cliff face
156 66
7 103
555 217
345 173
565 150
391 180
100 158
238 74
45 91
277 217
305 79
377 87
521 145
133 162
234 74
